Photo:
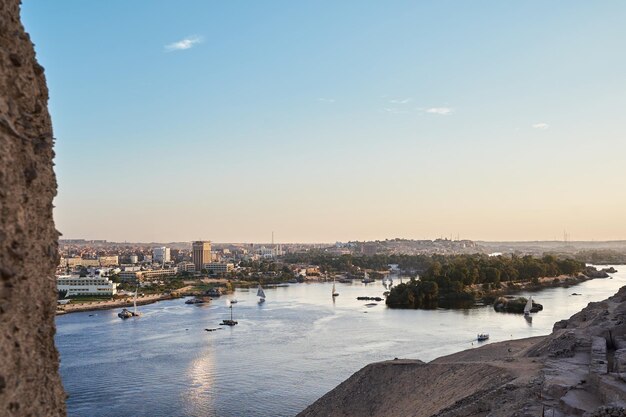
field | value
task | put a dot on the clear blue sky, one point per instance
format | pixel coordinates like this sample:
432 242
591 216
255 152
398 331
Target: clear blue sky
325 120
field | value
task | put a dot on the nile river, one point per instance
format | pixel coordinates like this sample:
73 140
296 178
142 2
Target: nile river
281 357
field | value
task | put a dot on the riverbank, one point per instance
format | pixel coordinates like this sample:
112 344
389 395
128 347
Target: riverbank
76 306
574 371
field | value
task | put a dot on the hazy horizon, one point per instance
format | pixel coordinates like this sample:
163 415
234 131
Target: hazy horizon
331 121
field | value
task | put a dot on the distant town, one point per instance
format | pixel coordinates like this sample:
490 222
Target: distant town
95 270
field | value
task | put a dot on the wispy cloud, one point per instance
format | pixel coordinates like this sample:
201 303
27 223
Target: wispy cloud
393 110
442 111
401 100
183 44
542 126
326 100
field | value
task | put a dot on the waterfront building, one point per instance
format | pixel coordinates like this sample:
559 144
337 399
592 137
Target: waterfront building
201 253
75 285
133 259
161 255
218 267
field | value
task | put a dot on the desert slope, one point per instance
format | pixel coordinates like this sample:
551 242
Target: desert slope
575 371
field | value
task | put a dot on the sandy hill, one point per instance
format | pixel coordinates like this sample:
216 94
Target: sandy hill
578 370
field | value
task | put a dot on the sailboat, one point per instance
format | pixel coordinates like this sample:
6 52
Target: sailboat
260 293
335 293
230 322
366 278
126 313
529 306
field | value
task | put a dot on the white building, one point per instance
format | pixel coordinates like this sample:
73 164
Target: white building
75 285
161 254
218 267
133 259
270 252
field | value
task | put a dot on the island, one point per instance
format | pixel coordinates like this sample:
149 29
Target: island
459 281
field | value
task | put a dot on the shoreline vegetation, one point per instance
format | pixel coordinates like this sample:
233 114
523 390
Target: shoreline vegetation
463 280
449 281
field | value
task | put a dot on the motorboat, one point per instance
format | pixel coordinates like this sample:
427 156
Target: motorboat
198 300
482 337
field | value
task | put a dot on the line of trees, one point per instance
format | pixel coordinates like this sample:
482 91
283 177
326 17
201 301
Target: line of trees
449 279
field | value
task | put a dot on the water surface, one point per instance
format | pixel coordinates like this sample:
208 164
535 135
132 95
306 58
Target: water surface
281 357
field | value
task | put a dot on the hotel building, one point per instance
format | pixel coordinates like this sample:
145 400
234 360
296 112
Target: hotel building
201 253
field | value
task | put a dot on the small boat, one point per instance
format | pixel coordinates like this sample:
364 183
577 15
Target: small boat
126 313
529 306
231 322
260 293
198 300
482 337
366 278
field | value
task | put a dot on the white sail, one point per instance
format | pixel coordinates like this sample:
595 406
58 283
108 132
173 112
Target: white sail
260 292
135 303
334 288
529 305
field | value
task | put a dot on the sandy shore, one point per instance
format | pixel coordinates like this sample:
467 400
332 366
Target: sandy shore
74 306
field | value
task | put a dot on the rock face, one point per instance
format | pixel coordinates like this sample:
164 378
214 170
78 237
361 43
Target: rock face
29 381
578 370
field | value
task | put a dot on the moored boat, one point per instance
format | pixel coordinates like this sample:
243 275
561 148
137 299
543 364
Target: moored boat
231 322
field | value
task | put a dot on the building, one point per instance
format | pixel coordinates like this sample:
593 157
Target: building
201 253
186 267
109 260
72 262
133 259
130 276
161 255
218 267
75 285
149 275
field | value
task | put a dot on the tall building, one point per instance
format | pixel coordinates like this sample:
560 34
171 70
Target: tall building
201 253
161 255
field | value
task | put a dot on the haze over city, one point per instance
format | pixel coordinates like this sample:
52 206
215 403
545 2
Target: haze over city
226 121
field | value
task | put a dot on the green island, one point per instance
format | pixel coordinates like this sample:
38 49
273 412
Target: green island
460 280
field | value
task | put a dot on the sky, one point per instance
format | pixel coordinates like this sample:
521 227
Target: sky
329 121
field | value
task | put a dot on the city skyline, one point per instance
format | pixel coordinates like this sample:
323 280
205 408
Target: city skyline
332 122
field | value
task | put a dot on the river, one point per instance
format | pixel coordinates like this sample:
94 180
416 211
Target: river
282 356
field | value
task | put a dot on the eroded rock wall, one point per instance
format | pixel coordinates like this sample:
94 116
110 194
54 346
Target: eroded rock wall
29 381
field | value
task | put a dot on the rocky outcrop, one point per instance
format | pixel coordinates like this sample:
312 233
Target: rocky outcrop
593 272
29 381
578 370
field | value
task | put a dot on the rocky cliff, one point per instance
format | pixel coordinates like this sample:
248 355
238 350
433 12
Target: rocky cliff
578 370
29 380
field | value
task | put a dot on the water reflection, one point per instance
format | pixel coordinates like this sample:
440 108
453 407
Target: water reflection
196 396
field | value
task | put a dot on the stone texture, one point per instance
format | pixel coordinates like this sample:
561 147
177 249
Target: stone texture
29 381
